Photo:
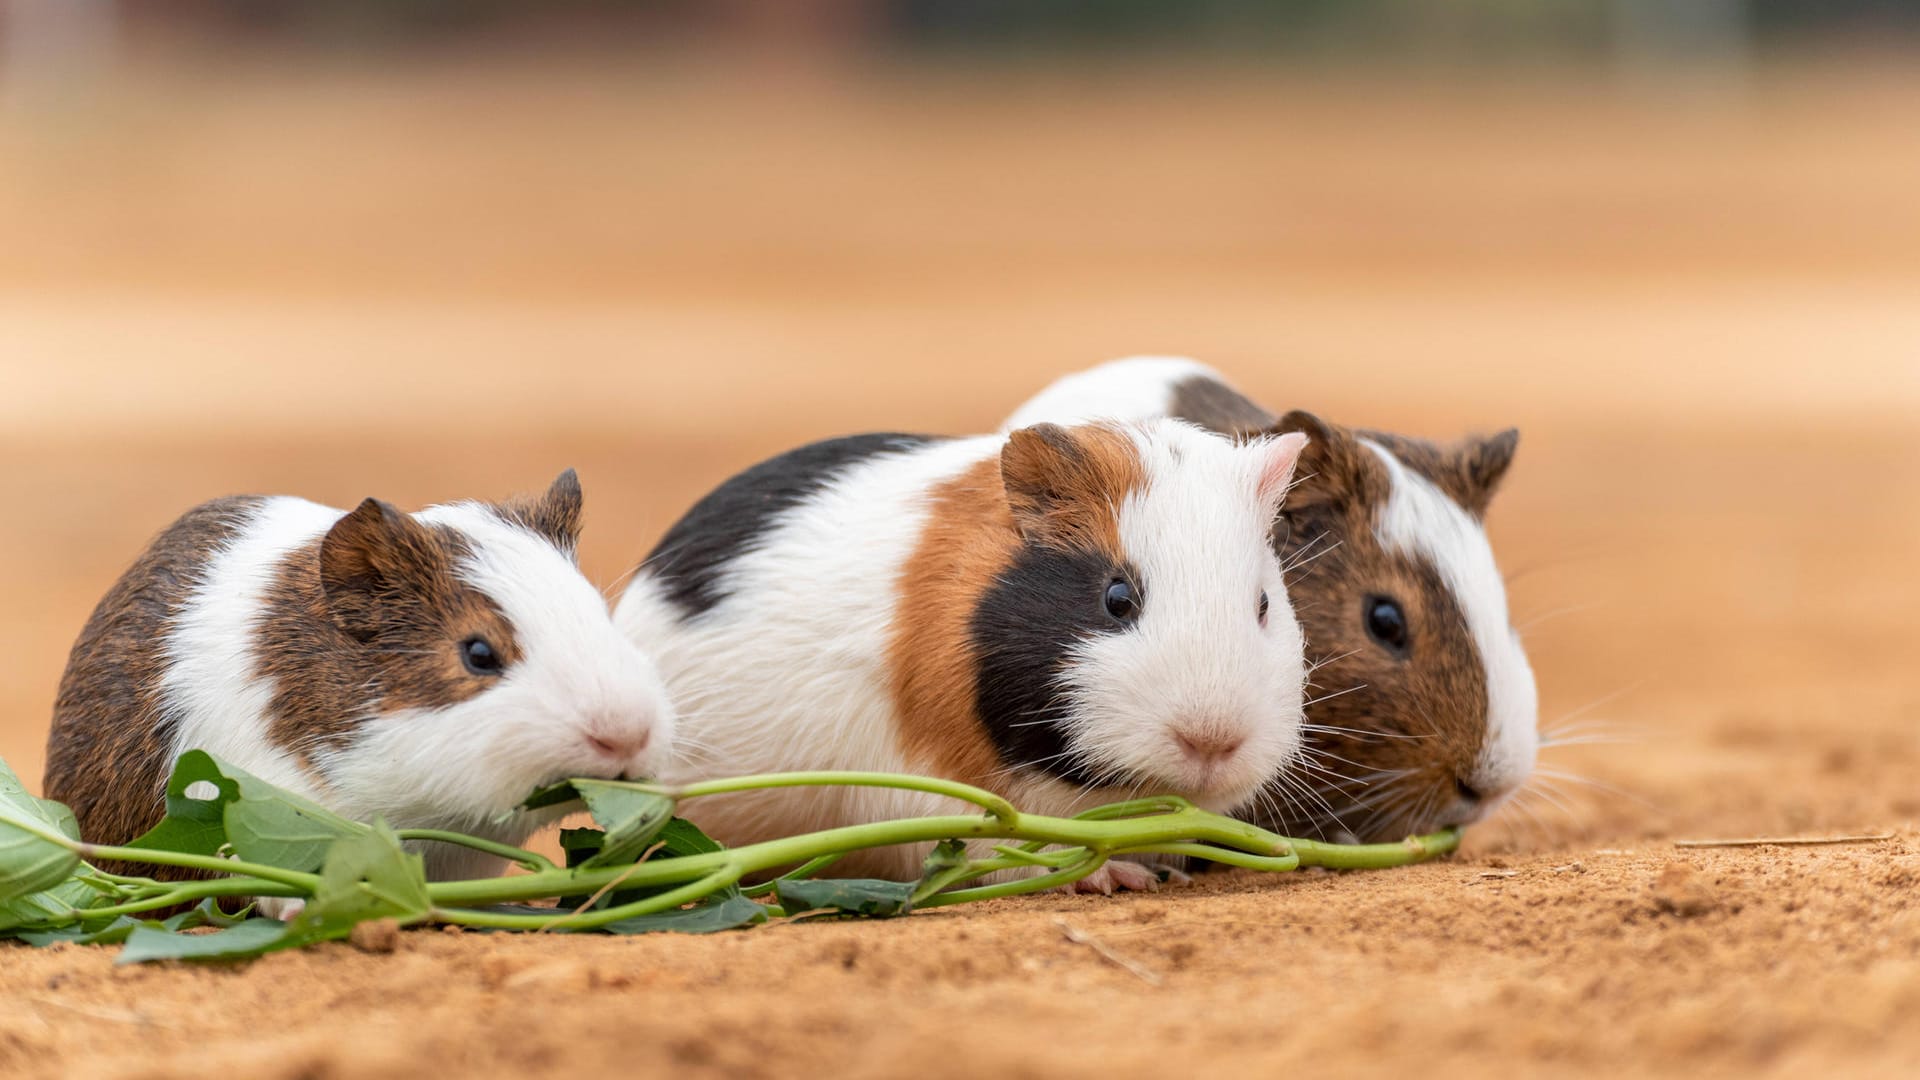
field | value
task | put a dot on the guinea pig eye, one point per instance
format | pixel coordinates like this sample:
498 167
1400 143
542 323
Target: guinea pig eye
1122 600
1263 609
1387 623
479 657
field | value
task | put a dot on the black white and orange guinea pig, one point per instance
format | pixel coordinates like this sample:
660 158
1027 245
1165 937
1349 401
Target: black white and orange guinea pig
430 668
1425 712
1065 616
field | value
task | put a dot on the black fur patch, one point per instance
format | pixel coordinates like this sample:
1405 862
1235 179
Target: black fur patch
726 523
1023 631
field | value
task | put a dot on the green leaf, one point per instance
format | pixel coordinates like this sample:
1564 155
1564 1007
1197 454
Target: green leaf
58 906
365 877
581 844
854 896
678 837
278 828
31 863
205 913
239 942
262 823
111 934
683 837
196 826
551 795
632 819
947 855
724 914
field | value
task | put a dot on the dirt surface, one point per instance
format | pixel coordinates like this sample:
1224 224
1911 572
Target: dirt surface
1705 317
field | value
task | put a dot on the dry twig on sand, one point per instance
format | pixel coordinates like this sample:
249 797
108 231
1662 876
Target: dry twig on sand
1081 937
1784 841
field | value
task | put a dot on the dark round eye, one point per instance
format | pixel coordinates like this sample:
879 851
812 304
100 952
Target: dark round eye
1263 609
479 657
1387 623
1122 600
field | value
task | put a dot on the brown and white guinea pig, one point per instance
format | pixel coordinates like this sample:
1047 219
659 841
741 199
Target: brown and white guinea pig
430 668
1426 713
1066 616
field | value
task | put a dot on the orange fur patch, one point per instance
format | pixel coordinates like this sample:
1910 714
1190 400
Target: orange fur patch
1065 485
1069 489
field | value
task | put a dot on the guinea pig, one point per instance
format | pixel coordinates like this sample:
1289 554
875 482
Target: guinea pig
430 668
1063 616
1427 712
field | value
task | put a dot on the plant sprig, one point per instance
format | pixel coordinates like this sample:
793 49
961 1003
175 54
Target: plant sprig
643 869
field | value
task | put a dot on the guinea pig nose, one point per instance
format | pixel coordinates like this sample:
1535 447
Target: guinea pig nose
619 747
1465 790
1207 746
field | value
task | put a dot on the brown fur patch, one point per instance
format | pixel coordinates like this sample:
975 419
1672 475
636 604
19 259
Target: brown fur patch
554 514
384 638
107 752
969 539
1064 485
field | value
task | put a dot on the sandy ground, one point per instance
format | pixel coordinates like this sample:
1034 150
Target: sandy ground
1705 316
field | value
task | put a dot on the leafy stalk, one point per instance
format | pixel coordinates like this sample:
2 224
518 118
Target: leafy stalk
640 871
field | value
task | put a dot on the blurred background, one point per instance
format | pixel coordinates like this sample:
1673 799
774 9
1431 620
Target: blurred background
444 248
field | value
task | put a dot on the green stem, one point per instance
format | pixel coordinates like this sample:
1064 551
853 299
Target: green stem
1376 856
808 870
1101 836
1039 883
521 856
190 893
1213 853
932 785
213 864
591 920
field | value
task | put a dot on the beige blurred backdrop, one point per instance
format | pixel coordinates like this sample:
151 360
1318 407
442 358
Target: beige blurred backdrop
356 257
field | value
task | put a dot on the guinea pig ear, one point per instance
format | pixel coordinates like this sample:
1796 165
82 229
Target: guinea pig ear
556 514
1281 455
1483 463
1334 468
371 554
1038 465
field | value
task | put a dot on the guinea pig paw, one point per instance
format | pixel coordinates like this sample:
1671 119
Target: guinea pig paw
1119 874
283 908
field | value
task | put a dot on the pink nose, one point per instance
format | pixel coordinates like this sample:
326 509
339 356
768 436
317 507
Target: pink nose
620 747
1208 747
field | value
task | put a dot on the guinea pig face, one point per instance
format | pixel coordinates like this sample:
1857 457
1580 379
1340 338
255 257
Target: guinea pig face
1143 636
1424 707
502 672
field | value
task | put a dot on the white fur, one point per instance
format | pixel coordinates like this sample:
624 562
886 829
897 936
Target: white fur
1197 661
1419 519
208 687
1135 388
465 766
790 669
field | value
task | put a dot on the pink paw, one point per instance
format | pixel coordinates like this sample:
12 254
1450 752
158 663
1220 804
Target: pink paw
1125 874
284 908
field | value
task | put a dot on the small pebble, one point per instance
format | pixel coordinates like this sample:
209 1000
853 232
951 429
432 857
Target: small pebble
1681 890
377 936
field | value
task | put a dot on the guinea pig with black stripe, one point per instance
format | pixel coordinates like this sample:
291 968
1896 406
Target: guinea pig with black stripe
1065 616
1425 712
432 668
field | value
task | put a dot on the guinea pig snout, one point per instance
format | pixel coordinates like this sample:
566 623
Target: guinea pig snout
1206 744
621 744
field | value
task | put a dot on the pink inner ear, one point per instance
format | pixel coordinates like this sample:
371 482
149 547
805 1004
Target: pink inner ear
1283 453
